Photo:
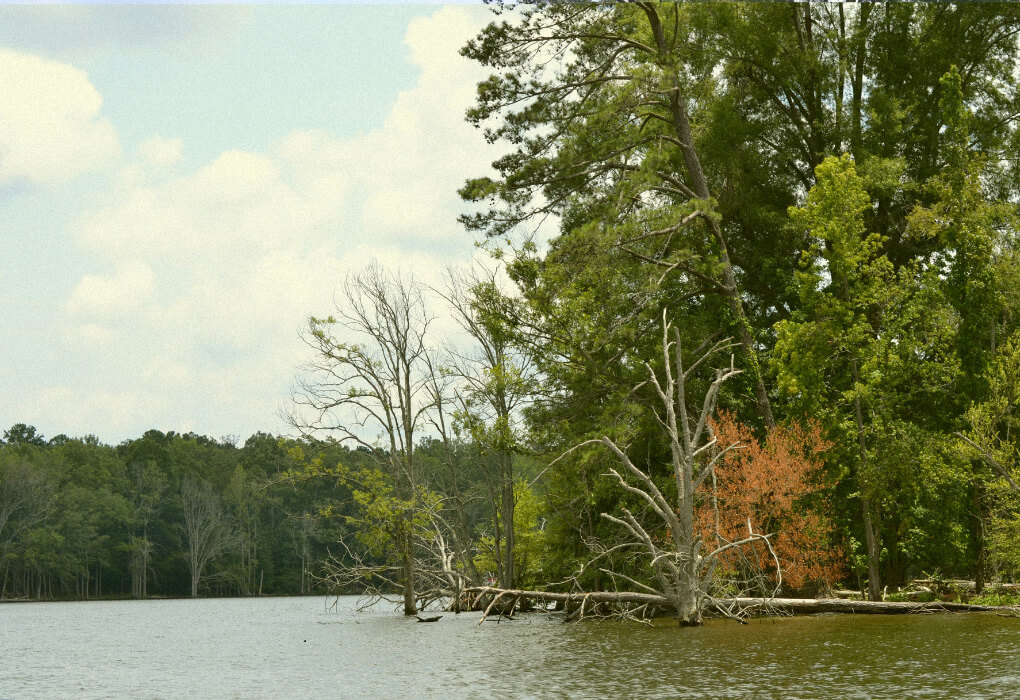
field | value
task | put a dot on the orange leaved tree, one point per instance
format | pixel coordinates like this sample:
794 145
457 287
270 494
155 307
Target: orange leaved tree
773 486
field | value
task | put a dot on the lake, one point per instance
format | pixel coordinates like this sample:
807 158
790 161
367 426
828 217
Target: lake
295 647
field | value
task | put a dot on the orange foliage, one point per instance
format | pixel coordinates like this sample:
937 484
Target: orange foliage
768 483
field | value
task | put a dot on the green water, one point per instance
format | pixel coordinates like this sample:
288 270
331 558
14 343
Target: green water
294 647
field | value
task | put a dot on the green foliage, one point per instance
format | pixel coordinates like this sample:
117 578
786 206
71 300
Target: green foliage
996 598
883 290
79 519
994 443
530 545
870 338
21 434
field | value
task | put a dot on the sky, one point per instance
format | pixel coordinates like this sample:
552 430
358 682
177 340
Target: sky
181 187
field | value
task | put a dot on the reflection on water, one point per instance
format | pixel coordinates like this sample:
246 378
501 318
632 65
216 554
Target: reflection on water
293 647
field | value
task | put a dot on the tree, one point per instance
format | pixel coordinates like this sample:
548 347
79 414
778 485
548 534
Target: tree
244 499
992 439
993 430
775 484
21 434
207 527
377 383
498 376
146 484
869 347
599 103
530 541
581 100
584 97
684 567
25 497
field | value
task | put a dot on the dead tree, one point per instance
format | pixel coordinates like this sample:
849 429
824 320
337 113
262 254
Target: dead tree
442 387
731 607
367 384
441 571
25 498
683 564
207 527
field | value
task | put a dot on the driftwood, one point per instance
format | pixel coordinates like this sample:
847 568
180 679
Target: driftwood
798 606
860 607
913 593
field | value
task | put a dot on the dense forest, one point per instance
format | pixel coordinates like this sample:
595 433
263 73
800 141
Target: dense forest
773 343
164 514
171 514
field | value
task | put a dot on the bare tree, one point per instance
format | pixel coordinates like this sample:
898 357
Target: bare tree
683 566
25 495
497 376
302 530
376 384
147 484
207 526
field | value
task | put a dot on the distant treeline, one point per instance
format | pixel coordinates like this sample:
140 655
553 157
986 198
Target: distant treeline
168 514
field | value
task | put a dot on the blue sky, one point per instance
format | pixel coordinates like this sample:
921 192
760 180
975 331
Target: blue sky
182 186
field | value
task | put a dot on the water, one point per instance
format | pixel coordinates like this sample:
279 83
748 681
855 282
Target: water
293 647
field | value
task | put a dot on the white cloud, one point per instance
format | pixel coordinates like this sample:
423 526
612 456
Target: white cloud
128 288
93 337
50 123
69 412
240 205
160 152
426 150
249 245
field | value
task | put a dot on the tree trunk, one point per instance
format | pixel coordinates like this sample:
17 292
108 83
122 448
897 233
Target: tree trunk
979 573
410 604
509 570
803 606
874 581
689 606
856 109
861 607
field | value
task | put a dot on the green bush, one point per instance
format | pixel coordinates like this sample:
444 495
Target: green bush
996 598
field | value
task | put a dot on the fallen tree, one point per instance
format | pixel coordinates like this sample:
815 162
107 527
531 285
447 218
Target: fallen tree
630 603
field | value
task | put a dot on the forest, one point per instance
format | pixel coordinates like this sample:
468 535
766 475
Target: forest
172 514
751 328
161 515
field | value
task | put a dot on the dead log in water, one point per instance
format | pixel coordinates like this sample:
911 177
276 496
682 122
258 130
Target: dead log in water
796 606
805 606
